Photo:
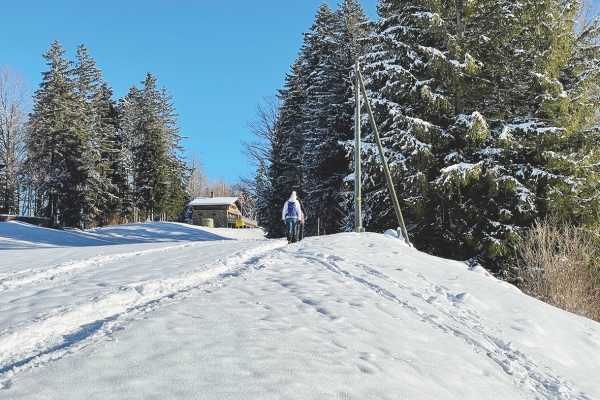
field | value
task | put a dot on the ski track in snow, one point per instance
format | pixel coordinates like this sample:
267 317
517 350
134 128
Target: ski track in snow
453 315
33 276
51 337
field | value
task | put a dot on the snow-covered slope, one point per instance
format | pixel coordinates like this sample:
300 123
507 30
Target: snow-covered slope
161 310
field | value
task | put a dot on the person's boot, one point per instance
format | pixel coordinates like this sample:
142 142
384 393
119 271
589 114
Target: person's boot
294 239
289 237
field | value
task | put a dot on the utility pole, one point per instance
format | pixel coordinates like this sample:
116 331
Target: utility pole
357 178
386 169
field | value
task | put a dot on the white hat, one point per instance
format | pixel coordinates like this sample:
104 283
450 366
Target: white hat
293 196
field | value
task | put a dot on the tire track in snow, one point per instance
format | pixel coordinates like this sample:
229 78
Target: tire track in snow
468 327
35 276
40 341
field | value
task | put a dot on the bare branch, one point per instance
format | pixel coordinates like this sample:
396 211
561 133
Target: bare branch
586 16
15 102
264 128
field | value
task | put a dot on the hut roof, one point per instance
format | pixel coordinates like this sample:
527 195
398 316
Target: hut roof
213 201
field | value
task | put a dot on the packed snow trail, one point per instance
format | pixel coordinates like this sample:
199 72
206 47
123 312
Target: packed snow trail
438 307
450 313
33 276
58 328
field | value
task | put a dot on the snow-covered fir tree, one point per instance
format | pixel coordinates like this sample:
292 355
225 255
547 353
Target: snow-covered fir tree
104 183
285 170
59 143
303 146
177 170
117 192
329 52
158 172
484 109
410 105
148 149
129 114
91 162
532 160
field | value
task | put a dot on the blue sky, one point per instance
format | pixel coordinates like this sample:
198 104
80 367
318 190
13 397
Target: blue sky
217 58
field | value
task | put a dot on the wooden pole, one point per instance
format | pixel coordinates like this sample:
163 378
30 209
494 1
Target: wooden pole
386 169
357 178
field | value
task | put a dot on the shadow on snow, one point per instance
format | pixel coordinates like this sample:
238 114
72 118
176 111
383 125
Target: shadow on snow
19 235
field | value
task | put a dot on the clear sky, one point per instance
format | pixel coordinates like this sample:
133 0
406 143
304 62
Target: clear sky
217 58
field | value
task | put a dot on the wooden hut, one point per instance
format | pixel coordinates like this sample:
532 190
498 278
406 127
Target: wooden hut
224 211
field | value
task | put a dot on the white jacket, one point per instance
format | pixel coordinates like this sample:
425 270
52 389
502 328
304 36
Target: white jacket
298 210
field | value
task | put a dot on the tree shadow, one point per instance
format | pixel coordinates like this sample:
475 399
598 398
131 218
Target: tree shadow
20 236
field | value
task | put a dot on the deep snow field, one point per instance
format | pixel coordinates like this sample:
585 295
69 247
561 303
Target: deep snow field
166 310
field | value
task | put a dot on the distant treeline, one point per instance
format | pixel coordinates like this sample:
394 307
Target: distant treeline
81 158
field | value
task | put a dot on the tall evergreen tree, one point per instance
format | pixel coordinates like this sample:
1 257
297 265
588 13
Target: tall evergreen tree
158 172
306 151
103 196
177 171
129 113
480 108
115 190
530 162
285 166
329 52
59 142
149 152
410 105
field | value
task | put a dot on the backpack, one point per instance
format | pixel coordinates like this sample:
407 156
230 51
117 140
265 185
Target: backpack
291 210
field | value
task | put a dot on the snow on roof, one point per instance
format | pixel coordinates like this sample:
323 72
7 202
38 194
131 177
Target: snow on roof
213 201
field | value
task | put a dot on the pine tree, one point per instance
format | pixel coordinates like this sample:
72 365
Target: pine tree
149 151
530 163
102 193
285 171
158 172
575 195
410 105
480 108
177 175
59 142
129 113
116 191
329 52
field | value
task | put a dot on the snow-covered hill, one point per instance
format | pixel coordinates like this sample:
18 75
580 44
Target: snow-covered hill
164 310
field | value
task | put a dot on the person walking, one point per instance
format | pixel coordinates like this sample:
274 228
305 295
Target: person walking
301 220
291 213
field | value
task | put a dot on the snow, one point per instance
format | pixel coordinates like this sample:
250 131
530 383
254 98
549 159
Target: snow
463 167
166 310
213 201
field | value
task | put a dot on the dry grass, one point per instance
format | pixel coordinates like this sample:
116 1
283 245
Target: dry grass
558 265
